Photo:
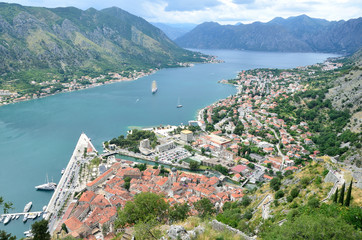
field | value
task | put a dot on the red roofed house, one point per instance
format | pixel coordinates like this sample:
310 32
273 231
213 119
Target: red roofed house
86 197
238 169
100 201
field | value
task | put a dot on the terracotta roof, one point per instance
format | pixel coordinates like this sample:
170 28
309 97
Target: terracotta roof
73 223
87 196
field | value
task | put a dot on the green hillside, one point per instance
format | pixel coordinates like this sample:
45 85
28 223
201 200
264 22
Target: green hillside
38 44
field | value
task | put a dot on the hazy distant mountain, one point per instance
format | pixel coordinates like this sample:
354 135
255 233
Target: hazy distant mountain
175 30
68 40
299 34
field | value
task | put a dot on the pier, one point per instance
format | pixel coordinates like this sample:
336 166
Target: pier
66 186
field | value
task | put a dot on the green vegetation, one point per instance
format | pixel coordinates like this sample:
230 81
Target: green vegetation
223 170
205 208
40 230
60 45
132 141
6 206
313 225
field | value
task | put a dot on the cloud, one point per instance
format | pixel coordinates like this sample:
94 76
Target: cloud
190 5
222 11
243 1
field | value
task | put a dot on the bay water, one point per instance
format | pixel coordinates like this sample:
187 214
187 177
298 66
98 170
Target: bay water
37 137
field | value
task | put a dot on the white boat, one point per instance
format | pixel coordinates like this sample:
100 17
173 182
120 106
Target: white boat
17 217
13 217
28 233
179 104
7 219
44 208
28 206
154 87
63 170
25 217
48 186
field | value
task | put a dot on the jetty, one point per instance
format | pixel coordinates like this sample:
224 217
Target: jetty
65 188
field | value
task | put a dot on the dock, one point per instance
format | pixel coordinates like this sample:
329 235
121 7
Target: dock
32 215
65 188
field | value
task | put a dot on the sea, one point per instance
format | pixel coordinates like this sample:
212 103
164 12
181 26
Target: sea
37 137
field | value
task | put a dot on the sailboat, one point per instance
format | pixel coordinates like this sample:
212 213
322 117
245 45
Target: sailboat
48 186
154 87
179 104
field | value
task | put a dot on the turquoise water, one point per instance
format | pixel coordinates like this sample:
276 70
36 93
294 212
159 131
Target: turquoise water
38 137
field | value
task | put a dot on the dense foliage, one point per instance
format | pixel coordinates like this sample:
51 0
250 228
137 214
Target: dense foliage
132 141
324 222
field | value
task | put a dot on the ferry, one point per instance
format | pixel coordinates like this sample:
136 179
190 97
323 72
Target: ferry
28 206
154 87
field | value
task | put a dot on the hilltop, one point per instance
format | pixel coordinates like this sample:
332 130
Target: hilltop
294 34
40 44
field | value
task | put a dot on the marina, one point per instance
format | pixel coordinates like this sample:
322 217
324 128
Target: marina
7 218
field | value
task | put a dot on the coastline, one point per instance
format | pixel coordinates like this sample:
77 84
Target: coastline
82 88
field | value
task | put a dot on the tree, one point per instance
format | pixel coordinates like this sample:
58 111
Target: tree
40 230
313 202
294 193
145 230
275 183
279 194
179 212
348 197
6 206
245 201
145 206
194 165
6 236
335 198
341 196
251 165
204 207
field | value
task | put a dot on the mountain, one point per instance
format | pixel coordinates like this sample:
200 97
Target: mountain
174 31
297 34
37 41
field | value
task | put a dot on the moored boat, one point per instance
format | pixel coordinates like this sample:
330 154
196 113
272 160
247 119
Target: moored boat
28 206
7 219
48 186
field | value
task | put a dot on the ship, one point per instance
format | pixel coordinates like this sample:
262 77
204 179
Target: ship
28 206
48 186
179 105
154 87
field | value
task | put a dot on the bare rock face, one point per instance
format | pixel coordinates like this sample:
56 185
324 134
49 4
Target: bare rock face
179 232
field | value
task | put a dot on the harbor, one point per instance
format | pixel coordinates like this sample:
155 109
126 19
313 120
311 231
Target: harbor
38 137
68 184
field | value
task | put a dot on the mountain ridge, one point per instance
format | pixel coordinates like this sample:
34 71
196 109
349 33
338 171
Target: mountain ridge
68 41
296 34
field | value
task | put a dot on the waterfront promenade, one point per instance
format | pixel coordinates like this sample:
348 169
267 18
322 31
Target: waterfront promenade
67 185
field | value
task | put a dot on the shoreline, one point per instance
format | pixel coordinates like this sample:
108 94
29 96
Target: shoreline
82 88
139 75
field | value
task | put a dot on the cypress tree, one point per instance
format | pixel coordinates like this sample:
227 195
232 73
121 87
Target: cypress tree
335 197
341 197
348 197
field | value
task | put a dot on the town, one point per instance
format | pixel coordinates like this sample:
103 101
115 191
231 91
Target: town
235 145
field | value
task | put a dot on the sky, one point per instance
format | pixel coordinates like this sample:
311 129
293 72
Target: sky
221 11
